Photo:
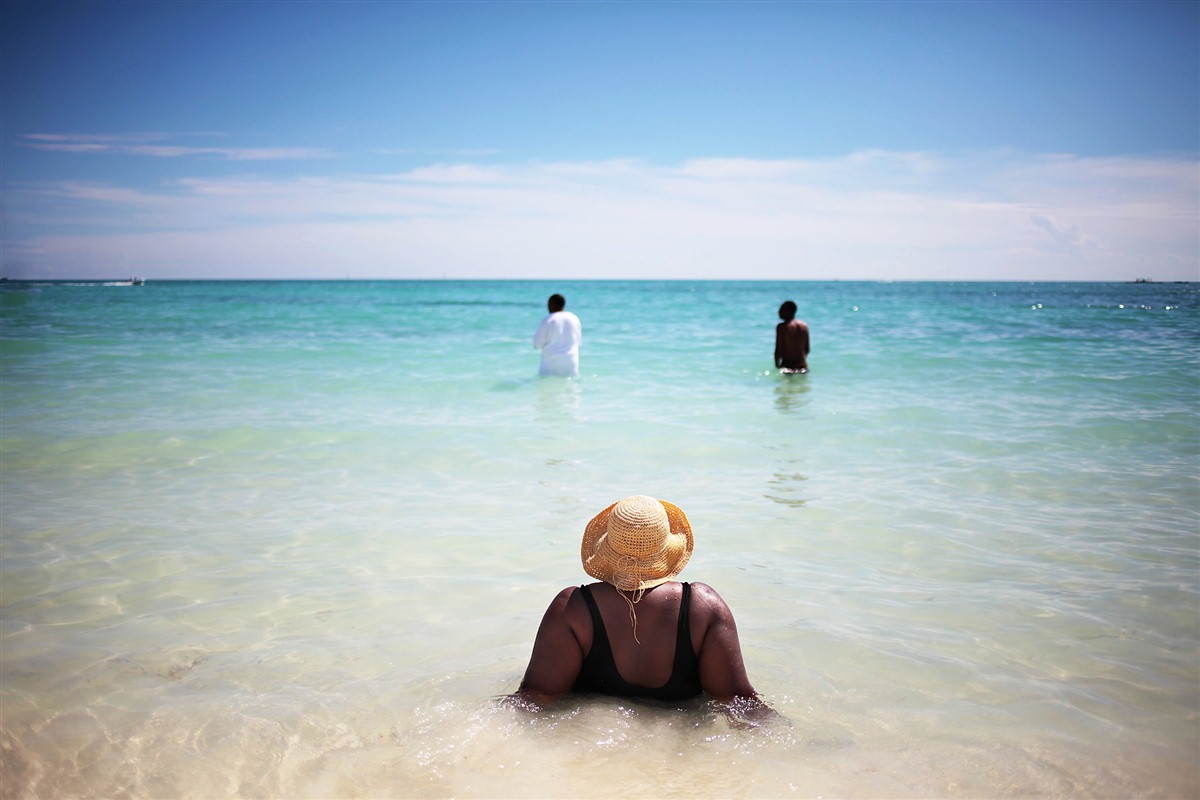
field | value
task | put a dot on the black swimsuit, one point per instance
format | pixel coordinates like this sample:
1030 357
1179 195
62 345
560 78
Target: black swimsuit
599 673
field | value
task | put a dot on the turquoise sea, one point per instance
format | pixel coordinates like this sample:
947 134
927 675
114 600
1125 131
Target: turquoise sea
294 539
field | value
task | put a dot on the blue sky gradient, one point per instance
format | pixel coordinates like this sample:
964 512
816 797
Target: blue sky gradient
957 140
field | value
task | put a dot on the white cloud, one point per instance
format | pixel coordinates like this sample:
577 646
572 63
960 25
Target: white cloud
141 145
868 215
1068 237
452 173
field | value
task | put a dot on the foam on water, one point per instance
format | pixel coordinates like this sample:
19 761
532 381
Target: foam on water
294 539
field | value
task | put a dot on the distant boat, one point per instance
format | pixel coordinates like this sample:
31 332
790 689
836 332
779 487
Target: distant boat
137 281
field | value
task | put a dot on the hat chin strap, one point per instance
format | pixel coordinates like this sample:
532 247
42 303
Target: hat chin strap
629 569
627 572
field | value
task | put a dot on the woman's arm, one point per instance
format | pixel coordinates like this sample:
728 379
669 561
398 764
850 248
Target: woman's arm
557 654
722 670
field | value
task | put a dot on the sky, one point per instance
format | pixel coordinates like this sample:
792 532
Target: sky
600 140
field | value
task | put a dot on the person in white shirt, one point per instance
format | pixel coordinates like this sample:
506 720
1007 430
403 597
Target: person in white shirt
559 337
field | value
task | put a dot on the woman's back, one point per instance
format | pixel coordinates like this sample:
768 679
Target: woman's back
637 547
646 661
652 657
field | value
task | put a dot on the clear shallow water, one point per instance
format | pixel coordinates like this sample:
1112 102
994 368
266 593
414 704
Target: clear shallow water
293 539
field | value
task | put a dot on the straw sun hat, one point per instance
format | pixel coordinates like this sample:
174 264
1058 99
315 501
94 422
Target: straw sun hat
637 543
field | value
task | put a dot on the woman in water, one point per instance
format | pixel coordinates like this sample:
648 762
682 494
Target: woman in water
638 632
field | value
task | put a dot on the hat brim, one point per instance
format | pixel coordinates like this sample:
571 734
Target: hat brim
602 562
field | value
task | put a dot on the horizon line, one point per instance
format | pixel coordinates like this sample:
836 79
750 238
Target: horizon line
350 279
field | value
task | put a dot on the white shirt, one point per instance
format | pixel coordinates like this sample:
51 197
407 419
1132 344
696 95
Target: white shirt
559 337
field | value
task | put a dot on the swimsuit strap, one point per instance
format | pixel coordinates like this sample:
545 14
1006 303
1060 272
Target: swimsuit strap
684 615
599 634
685 654
685 672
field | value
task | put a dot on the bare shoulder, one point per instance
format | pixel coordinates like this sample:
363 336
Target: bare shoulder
566 604
704 590
707 600
568 607
564 596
